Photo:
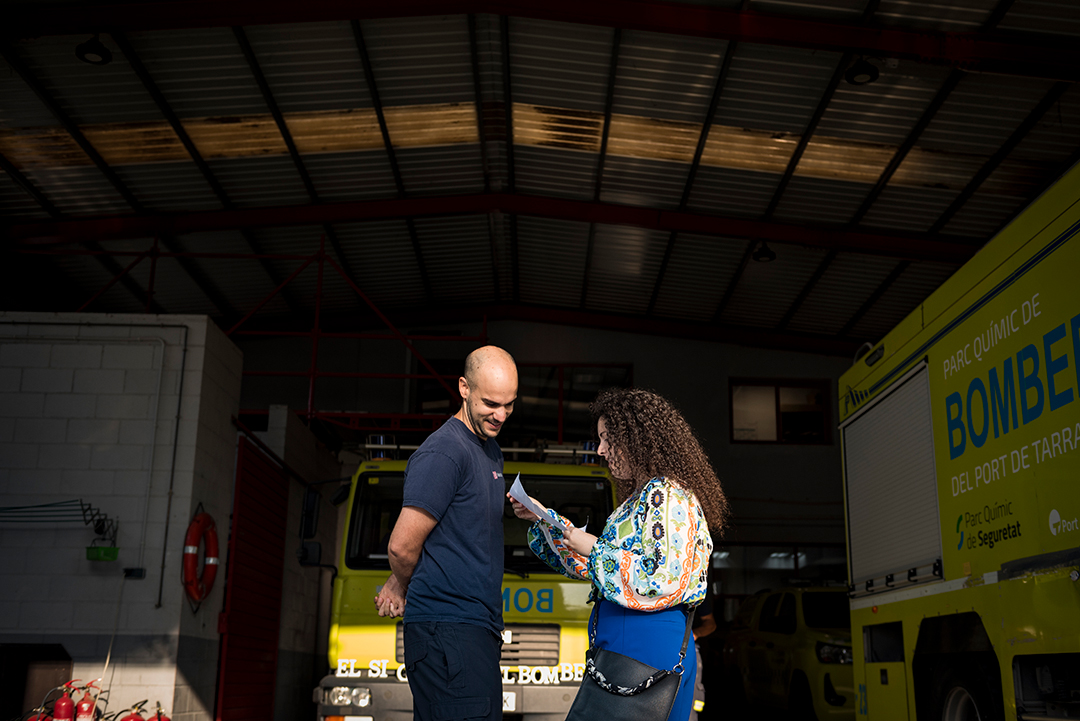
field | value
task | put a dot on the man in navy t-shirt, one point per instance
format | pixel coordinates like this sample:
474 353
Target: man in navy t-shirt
446 551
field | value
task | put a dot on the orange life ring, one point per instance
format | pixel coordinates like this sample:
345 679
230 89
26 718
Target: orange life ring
202 529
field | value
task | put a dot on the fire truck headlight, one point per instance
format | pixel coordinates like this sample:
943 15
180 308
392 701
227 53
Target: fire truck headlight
829 653
339 696
361 697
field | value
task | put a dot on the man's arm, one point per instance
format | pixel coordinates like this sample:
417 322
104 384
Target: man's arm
406 542
708 625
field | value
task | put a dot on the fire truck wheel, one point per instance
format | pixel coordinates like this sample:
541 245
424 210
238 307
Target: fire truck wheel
965 697
800 700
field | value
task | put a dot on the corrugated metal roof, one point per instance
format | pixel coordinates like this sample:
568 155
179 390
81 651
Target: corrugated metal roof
503 254
560 64
666 77
766 290
244 283
558 76
80 190
957 15
552 261
637 181
418 61
351 176
727 191
849 280
21 108
838 9
820 201
257 182
981 113
884 111
202 73
164 187
16 202
773 88
983 215
304 240
458 258
174 287
311 66
698 274
917 282
381 255
624 266
87 276
908 209
450 170
1056 133
88 93
1054 17
556 172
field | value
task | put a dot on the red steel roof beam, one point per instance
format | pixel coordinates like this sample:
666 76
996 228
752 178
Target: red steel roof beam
1045 56
913 247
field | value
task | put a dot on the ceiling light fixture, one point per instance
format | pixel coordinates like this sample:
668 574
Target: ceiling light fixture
94 52
764 254
861 72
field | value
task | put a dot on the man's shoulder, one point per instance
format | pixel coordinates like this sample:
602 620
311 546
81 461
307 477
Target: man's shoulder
446 439
445 446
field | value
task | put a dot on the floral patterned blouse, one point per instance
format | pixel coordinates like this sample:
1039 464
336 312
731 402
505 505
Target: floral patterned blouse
653 553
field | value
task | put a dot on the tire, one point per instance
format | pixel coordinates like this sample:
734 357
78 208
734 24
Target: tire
965 697
800 700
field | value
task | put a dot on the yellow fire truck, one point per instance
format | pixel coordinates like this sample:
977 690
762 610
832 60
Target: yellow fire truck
961 450
545 614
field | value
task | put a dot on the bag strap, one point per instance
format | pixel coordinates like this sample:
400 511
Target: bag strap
601 680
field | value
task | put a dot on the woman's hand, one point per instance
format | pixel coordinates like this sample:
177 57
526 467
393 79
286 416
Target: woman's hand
522 512
580 541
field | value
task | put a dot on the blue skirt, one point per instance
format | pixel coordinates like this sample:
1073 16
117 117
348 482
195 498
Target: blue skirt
652 637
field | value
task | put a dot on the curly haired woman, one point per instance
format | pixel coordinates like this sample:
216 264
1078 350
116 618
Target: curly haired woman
649 565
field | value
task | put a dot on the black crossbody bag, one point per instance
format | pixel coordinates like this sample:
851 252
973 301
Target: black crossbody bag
618 688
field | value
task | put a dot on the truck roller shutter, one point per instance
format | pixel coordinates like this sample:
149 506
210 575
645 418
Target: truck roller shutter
891 483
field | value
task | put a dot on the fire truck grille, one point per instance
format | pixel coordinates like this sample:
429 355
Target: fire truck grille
531 644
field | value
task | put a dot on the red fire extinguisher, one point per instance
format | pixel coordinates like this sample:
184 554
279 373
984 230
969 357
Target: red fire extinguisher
84 710
134 713
159 715
40 715
64 708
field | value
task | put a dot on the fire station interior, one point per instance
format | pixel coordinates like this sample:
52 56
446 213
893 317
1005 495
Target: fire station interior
255 240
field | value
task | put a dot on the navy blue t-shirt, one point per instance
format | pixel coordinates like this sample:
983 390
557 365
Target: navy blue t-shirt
458 479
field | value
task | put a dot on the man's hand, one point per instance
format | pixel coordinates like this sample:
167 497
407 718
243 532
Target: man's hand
390 600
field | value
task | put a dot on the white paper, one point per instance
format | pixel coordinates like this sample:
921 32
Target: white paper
517 492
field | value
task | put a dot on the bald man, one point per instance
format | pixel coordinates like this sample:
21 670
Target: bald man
446 551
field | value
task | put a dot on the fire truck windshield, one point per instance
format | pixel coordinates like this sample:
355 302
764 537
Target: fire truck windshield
377 505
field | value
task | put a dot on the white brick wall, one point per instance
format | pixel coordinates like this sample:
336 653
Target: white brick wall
88 407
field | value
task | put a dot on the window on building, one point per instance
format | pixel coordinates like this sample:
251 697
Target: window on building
780 411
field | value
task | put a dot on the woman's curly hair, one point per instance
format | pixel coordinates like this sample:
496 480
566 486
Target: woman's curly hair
654 440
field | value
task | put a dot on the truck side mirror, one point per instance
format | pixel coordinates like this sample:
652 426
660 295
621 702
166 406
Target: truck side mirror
309 515
309 553
341 494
